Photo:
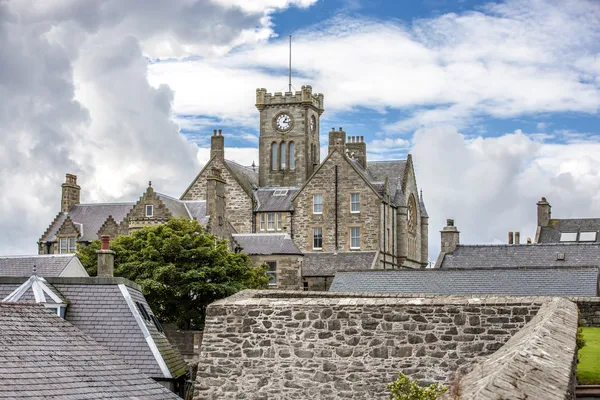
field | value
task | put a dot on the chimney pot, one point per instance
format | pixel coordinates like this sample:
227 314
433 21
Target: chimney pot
340 128
105 239
510 238
517 237
450 222
528 240
220 132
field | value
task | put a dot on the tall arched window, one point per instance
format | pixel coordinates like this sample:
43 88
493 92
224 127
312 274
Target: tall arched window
283 155
274 156
292 155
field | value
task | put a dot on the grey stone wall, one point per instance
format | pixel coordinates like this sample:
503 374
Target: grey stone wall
288 270
187 341
299 345
589 310
537 363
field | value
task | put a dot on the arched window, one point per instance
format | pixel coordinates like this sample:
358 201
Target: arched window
283 155
274 156
292 153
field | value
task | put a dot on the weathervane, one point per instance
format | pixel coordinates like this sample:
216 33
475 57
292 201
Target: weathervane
290 77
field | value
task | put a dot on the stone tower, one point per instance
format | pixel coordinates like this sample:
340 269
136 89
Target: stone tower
289 136
71 193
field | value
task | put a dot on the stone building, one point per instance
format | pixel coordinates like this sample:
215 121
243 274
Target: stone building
571 230
342 213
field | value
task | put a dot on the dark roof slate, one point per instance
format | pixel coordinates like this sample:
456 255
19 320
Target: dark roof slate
327 264
523 255
98 307
266 243
197 209
45 265
44 356
266 201
501 281
551 233
175 206
246 176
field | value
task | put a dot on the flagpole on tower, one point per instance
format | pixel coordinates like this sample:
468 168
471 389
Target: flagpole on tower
290 77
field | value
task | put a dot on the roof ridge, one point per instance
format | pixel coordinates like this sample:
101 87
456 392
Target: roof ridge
529 244
422 270
249 167
106 204
384 161
38 255
166 195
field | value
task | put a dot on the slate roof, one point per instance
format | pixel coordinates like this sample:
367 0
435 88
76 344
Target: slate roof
394 170
246 176
266 243
523 255
99 307
175 206
265 201
44 356
197 209
582 281
327 264
551 233
45 265
89 218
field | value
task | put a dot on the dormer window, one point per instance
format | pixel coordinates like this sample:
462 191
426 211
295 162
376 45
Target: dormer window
67 245
149 210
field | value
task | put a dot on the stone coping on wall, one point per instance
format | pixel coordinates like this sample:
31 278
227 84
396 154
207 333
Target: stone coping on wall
538 362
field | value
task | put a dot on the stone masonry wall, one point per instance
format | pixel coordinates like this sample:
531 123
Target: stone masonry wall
238 207
539 362
288 270
187 341
299 345
589 310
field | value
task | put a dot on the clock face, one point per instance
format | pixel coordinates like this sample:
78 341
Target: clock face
283 122
313 124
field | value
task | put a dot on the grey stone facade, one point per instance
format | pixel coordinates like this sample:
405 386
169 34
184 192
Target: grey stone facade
347 345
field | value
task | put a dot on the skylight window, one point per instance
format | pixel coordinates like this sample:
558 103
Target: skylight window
568 237
587 236
280 192
157 323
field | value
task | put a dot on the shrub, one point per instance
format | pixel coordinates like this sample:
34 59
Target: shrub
405 388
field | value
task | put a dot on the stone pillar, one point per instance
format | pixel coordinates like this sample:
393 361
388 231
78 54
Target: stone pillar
450 237
106 258
543 212
402 240
357 148
337 141
215 202
217 145
71 193
424 241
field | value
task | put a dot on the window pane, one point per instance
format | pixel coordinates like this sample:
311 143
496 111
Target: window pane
317 204
72 245
149 210
355 238
262 222
568 237
355 202
292 155
272 271
279 222
317 238
63 245
274 156
283 154
270 221
587 236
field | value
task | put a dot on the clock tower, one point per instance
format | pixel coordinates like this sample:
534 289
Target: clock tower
289 145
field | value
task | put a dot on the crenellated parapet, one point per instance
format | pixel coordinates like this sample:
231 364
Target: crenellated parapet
304 97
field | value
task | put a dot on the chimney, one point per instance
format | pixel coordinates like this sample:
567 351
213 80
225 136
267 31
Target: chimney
510 238
450 237
215 200
517 238
357 149
71 193
528 240
217 145
543 212
106 258
337 141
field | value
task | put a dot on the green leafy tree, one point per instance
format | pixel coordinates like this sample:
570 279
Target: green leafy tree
405 388
181 269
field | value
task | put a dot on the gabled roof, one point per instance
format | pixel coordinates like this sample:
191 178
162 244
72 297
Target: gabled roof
107 309
197 210
551 233
46 265
499 281
266 243
328 264
89 218
267 201
247 177
175 206
523 255
54 359
394 171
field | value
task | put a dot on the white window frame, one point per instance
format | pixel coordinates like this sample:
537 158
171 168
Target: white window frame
262 222
315 204
320 231
151 208
62 245
270 221
279 222
272 273
354 203
354 235
568 237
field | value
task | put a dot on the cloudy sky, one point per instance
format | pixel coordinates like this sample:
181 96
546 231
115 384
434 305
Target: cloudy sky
498 102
